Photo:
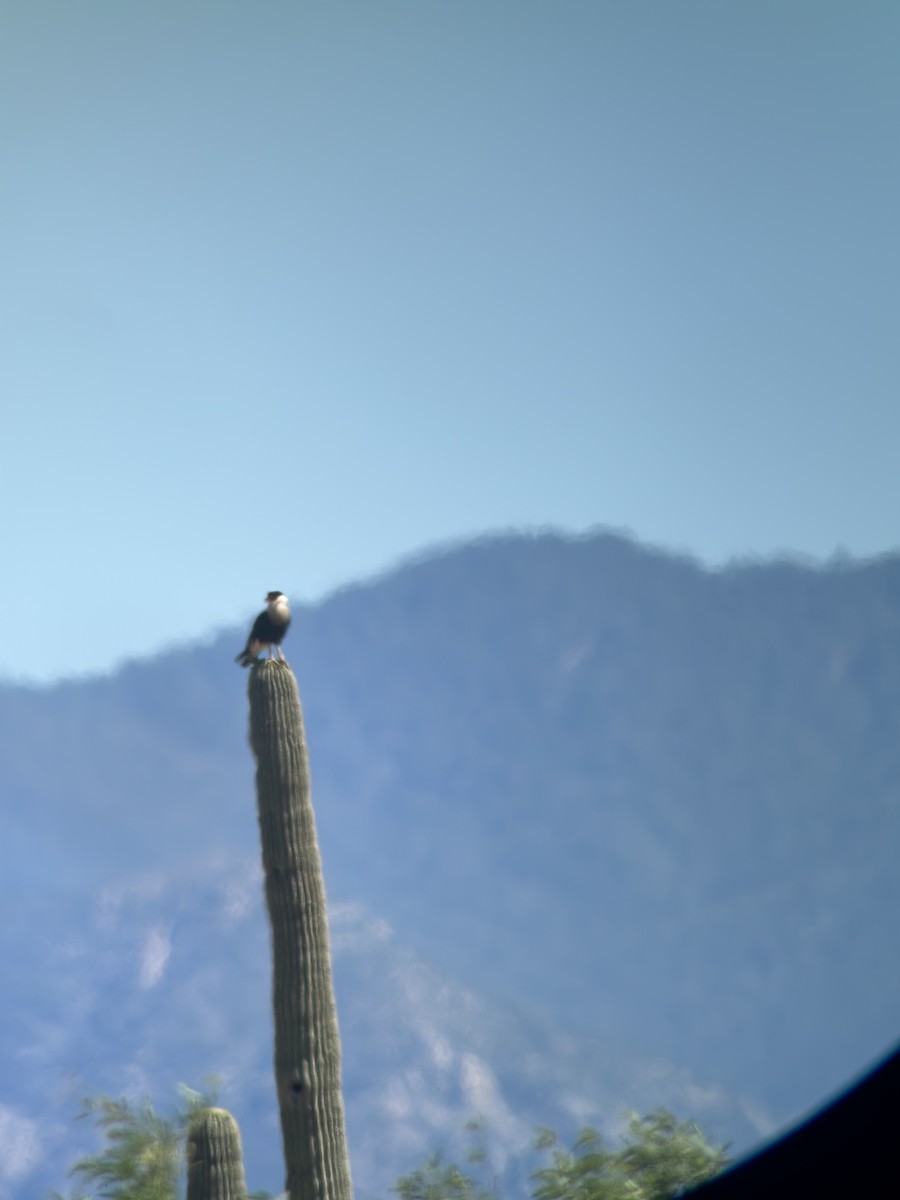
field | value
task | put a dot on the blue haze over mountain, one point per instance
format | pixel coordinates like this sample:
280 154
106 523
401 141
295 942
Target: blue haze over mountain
637 812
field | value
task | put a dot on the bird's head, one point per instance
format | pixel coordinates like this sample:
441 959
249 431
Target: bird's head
274 597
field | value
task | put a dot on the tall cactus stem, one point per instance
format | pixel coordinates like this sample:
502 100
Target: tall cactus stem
215 1161
307 1041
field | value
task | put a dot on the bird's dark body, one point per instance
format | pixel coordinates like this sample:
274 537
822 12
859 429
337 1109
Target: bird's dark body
268 629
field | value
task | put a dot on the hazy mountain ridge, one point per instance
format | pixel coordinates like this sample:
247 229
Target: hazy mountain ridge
164 977
679 747
656 801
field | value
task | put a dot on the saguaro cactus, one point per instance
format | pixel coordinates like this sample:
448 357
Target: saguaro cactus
307 1042
215 1161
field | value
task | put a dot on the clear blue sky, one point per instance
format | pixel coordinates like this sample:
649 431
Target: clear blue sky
290 290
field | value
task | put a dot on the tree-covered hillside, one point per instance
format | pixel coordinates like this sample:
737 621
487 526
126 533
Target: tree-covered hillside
656 801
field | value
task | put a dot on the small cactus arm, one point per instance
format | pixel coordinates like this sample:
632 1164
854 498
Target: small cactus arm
307 1041
215 1163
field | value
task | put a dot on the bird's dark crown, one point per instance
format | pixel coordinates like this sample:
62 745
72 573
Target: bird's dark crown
274 596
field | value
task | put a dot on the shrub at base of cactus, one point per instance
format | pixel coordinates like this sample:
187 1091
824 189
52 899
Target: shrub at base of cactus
215 1162
307 1041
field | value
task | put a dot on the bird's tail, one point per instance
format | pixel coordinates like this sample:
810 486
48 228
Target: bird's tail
244 658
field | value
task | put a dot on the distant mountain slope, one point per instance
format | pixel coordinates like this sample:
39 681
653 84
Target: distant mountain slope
164 977
659 802
678 789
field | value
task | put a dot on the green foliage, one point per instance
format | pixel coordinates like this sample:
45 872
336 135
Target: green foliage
659 1158
436 1180
145 1153
586 1172
664 1156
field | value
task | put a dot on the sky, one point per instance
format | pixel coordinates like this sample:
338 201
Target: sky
290 291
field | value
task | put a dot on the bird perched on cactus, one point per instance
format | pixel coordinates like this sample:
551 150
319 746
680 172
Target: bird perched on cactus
268 629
